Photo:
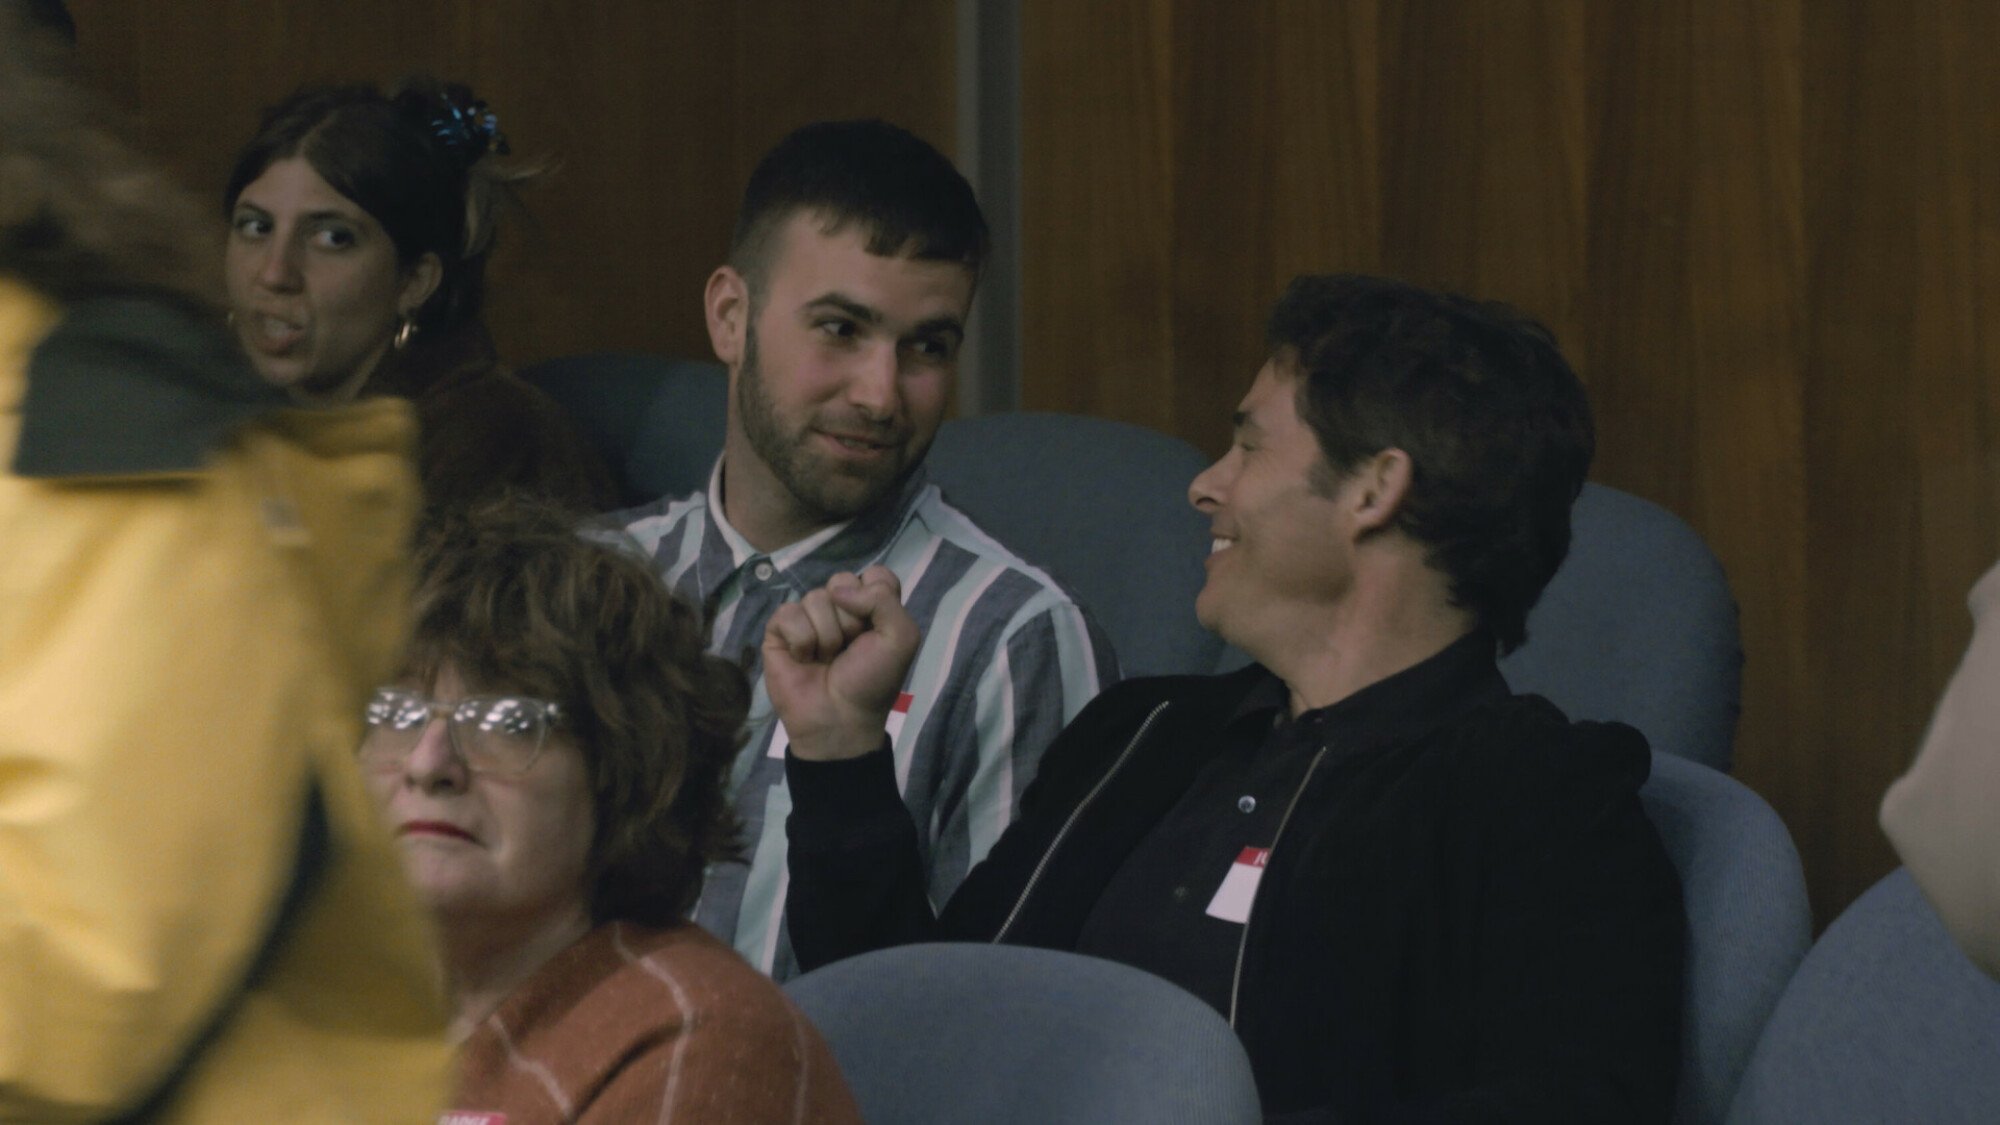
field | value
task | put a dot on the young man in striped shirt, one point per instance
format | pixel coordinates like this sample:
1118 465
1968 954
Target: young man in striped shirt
839 315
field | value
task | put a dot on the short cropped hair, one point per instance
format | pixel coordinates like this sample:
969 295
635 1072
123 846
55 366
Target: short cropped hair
1495 423
904 194
515 599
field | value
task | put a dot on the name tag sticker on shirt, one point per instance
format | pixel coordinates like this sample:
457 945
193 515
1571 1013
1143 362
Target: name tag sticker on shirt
893 727
1239 887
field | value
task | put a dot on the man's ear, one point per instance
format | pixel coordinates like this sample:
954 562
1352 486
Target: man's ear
1379 486
726 304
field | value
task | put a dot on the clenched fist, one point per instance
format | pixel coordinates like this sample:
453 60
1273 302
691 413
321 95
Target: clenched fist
834 661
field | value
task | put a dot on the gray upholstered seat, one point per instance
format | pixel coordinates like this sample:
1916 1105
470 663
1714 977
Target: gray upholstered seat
1102 505
1749 922
1010 1034
1638 626
657 422
1885 1022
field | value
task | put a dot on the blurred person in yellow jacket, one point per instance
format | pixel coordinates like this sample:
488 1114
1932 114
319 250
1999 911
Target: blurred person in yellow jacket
200 918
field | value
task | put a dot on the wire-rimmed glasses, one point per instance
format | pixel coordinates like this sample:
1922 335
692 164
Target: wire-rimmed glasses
502 734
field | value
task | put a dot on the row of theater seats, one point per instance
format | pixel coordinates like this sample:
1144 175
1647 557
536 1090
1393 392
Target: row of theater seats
1639 625
1883 1023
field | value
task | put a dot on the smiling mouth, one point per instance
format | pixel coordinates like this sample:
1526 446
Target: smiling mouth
1218 543
858 444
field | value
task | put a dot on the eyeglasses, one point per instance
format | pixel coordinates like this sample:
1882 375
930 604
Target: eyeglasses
502 734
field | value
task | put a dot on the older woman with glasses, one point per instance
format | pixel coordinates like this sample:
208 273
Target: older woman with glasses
552 763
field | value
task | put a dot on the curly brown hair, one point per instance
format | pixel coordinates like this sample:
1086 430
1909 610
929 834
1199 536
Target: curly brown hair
82 214
515 598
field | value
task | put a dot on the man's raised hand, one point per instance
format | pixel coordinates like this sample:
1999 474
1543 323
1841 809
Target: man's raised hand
834 661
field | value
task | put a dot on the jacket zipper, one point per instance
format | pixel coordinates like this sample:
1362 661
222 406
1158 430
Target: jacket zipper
1243 940
1043 864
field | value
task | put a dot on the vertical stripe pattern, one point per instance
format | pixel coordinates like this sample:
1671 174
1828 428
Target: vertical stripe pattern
1007 658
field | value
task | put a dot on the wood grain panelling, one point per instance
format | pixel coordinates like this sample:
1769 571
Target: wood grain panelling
1096 306
1745 470
1898 446
1636 345
1272 151
1482 151
1765 233
656 109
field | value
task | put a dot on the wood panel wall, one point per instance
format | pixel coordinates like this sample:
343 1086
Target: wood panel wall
657 111
1767 234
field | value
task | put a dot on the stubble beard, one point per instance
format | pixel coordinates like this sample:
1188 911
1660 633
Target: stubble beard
828 494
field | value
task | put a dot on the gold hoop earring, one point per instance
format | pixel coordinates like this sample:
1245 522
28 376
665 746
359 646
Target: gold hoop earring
406 333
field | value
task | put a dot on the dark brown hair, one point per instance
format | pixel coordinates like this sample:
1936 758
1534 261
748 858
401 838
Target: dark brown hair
514 598
82 214
884 180
421 159
1496 425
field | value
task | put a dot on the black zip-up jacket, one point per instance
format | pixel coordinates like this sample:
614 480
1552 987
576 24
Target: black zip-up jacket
1466 917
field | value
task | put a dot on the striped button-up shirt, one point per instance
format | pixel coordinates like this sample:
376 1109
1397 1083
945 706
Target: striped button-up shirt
1007 658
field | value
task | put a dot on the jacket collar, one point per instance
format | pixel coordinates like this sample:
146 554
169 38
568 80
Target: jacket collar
1395 709
134 385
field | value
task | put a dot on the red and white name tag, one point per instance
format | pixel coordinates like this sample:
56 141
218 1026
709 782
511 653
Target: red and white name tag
893 726
1239 888
471 1117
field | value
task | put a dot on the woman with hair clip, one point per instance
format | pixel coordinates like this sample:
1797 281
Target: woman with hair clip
200 918
360 226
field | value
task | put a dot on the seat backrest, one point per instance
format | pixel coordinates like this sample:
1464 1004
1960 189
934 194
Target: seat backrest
657 422
1886 1021
1103 506
1749 922
996 1033
1638 626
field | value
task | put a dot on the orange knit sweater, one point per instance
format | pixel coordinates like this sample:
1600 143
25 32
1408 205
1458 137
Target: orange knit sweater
639 1025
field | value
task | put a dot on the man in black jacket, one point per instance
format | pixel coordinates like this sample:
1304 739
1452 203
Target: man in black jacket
1416 896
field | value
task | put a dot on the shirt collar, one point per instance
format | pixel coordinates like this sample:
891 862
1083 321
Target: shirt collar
1462 675
740 549
850 545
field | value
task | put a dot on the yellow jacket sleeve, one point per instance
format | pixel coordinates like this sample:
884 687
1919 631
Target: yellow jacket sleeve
182 659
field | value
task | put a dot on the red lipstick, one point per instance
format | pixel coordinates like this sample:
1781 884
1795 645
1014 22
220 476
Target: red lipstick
434 828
